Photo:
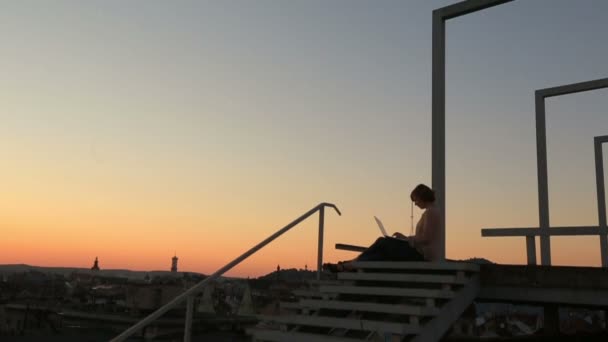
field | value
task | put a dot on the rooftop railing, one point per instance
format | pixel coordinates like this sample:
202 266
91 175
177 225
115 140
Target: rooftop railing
191 292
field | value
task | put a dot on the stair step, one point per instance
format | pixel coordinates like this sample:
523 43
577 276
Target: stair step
401 277
312 294
399 309
345 323
279 336
327 282
290 305
387 291
418 265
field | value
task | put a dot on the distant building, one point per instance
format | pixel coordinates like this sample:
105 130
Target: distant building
149 297
95 265
83 277
174 264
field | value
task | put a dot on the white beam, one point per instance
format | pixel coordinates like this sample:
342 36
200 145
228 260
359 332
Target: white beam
543 184
466 7
574 88
438 123
450 312
531 250
601 196
438 95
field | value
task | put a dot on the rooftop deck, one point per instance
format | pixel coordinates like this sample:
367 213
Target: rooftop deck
564 285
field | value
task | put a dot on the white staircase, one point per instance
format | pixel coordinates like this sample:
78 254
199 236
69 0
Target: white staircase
381 301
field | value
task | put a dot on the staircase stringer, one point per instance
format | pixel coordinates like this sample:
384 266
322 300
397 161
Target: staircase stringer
434 329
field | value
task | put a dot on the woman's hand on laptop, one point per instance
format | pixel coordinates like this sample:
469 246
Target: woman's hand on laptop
400 236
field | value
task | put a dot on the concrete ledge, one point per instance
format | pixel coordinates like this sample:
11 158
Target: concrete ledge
598 298
532 276
553 231
565 285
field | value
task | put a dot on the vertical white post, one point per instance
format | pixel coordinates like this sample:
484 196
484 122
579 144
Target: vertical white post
601 198
438 117
543 192
189 313
320 247
531 249
438 97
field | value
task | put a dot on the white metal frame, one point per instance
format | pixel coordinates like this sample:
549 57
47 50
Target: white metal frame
545 231
440 16
531 232
541 156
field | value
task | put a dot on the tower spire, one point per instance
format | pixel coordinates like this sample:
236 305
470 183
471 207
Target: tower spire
95 265
174 262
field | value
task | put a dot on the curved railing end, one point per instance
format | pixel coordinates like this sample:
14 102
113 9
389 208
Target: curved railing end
325 204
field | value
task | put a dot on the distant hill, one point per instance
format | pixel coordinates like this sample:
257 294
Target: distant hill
479 261
66 271
290 275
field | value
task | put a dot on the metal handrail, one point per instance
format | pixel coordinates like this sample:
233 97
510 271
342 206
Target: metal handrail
188 294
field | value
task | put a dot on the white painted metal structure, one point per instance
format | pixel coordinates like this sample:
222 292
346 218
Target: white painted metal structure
601 196
531 232
546 231
438 93
541 156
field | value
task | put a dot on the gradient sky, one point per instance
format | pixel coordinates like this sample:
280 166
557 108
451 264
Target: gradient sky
135 130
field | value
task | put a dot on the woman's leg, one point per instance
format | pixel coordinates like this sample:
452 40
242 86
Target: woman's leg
400 250
387 249
390 249
377 251
373 252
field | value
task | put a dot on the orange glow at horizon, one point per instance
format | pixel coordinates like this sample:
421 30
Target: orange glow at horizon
296 249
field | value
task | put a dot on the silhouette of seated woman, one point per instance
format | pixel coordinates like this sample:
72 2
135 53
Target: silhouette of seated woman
423 246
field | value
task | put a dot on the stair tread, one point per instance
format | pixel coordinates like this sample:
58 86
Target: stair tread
418 265
326 282
345 323
311 293
402 309
279 336
403 277
289 305
388 291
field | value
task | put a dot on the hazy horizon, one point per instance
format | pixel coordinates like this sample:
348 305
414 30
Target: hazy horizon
136 131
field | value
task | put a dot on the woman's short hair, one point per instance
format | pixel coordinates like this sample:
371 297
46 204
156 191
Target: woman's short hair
423 193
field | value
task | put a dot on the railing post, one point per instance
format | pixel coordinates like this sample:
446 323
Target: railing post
531 249
189 313
320 248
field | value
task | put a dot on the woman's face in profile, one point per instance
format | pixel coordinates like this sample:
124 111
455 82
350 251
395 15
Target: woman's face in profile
420 204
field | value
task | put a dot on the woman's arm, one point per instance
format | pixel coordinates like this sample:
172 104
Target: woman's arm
400 236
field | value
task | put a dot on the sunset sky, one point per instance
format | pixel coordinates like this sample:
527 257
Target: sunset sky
135 130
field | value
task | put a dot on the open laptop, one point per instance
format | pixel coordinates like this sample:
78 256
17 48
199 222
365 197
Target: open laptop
382 230
381 226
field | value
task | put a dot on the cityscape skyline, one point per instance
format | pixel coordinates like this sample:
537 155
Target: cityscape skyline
134 131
